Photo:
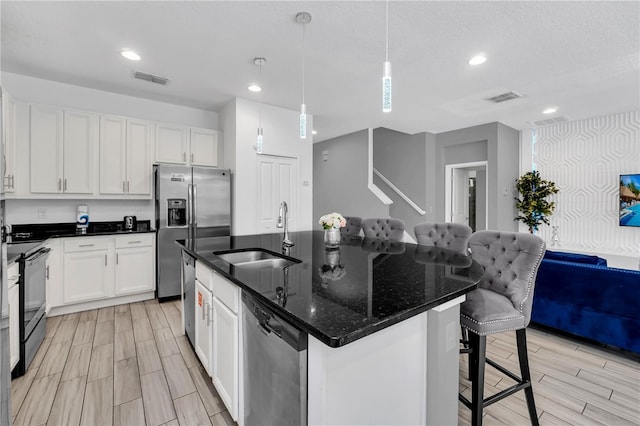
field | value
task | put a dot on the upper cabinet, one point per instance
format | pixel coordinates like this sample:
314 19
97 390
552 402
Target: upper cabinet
9 141
189 146
125 156
62 144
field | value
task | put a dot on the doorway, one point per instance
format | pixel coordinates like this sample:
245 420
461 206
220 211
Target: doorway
466 194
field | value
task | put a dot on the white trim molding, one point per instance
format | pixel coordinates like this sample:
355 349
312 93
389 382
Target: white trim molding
373 187
399 192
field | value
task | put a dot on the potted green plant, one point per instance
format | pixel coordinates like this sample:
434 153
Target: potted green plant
532 203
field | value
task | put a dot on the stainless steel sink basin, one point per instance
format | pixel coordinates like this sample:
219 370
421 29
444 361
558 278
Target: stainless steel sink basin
255 259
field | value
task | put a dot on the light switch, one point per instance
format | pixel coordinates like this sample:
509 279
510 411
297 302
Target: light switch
42 213
325 155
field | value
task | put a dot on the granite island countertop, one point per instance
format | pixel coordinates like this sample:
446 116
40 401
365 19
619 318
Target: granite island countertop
342 294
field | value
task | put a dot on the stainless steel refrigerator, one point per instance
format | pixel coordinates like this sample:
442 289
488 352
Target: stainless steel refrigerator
190 202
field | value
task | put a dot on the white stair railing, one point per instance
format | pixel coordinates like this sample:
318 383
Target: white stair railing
400 193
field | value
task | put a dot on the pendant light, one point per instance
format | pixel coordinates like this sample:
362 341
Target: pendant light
386 77
259 62
303 18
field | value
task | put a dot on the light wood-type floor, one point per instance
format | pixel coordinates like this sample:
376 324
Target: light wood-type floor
131 365
573 383
125 365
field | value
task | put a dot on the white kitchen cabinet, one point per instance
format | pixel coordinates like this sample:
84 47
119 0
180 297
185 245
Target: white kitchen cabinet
9 141
225 355
134 269
13 295
88 272
62 144
125 158
203 145
203 325
171 143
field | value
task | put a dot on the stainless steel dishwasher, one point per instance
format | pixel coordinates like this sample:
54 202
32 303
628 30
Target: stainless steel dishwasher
275 362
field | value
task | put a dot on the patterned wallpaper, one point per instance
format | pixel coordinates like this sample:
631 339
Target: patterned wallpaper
585 158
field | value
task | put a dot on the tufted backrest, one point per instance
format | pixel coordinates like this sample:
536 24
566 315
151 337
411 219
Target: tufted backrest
510 261
383 228
353 226
452 236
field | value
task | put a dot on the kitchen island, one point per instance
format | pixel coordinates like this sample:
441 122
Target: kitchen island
382 321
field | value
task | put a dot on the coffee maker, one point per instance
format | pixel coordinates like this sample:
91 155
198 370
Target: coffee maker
130 223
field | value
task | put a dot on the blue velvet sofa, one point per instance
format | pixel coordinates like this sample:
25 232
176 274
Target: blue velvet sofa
580 295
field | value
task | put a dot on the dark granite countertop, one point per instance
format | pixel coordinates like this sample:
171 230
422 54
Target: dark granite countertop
42 231
341 295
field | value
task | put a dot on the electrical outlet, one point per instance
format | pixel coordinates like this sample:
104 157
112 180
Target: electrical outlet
42 213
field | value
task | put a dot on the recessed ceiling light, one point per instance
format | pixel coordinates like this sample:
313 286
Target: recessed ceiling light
550 110
254 88
477 60
314 132
130 54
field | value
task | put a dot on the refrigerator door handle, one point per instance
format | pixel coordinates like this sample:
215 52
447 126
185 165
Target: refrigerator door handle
194 199
189 205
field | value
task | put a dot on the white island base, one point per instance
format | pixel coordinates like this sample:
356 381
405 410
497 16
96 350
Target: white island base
406 374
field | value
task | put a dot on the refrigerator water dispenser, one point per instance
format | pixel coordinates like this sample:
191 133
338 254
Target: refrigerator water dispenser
176 212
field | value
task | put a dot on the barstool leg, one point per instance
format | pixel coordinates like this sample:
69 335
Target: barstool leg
478 355
521 338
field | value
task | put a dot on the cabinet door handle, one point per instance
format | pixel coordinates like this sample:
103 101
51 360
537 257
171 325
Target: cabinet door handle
47 271
86 245
128 186
192 157
105 260
204 308
135 242
184 156
65 184
124 186
116 258
13 181
59 184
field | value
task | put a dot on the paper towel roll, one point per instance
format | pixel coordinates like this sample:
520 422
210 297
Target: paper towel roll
82 217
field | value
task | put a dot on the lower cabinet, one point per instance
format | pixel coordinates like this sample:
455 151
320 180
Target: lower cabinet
217 331
203 325
88 269
13 296
225 355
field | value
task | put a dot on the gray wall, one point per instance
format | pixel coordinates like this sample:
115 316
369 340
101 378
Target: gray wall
502 155
401 159
340 183
481 201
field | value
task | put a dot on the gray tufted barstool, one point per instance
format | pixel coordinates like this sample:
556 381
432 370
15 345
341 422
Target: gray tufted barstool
383 228
452 236
353 226
502 302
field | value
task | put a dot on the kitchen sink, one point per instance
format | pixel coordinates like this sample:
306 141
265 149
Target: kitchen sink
255 259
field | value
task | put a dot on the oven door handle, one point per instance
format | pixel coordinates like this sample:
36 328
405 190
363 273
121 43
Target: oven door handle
37 255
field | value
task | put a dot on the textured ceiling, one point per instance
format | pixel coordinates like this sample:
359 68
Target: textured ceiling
581 56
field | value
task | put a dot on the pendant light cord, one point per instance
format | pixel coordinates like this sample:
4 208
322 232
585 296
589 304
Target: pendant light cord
260 99
304 25
387 32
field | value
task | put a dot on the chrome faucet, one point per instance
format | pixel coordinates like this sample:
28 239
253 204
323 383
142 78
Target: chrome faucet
282 217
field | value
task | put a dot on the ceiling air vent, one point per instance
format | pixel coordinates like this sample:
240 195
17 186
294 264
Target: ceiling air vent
150 78
504 97
549 121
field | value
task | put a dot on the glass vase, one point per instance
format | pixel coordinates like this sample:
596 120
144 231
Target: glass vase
332 237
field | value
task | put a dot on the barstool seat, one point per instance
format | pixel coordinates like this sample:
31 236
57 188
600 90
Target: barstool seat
502 302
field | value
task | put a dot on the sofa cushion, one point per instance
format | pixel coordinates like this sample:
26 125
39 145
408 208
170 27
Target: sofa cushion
575 257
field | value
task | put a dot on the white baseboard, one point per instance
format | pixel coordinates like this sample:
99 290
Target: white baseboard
112 301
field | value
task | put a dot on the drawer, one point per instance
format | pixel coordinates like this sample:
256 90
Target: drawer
134 240
13 274
86 244
227 292
203 274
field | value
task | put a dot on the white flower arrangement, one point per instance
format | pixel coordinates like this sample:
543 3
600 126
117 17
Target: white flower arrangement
333 221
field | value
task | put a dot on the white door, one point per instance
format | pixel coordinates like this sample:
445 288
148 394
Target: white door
79 145
112 154
45 149
204 147
225 355
87 276
277 182
134 270
203 326
139 168
171 144
459 196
